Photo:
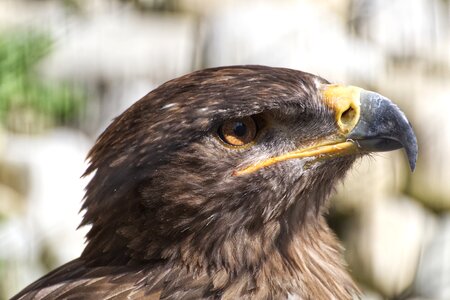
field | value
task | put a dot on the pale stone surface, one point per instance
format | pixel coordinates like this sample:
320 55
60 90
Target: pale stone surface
240 35
55 162
425 99
405 28
98 47
433 276
12 203
43 15
369 295
387 240
20 264
431 183
371 178
120 61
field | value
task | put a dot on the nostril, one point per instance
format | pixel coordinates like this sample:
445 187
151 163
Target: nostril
348 116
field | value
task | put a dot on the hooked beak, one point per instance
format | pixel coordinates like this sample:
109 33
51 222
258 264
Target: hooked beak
367 122
382 126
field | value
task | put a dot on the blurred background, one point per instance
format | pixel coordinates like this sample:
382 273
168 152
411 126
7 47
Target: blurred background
67 67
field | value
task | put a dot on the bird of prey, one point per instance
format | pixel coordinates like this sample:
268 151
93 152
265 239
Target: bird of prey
215 184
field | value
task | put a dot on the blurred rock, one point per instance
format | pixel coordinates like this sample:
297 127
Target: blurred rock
368 294
371 178
433 275
45 15
384 245
404 28
18 263
98 48
201 7
3 134
14 177
110 49
120 61
12 202
288 34
424 96
430 183
415 36
13 185
54 163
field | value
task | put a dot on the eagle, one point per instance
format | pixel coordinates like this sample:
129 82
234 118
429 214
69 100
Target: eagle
215 186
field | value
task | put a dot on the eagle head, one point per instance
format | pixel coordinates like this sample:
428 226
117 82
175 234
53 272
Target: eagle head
227 171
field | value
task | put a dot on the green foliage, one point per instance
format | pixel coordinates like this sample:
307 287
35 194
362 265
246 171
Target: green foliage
27 102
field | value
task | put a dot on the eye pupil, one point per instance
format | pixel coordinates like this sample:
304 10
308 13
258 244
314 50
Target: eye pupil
238 132
240 129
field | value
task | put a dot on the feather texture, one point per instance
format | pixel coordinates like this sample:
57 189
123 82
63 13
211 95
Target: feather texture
170 221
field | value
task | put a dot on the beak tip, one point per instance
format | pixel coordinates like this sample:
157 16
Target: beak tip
412 156
412 164
411 147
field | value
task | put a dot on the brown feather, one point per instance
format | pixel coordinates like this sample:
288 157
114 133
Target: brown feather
170 221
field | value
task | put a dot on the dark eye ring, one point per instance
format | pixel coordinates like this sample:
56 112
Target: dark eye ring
238 132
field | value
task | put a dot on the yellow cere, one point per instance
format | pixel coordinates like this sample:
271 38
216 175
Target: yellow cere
345 101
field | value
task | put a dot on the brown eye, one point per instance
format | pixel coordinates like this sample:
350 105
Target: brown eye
238 132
